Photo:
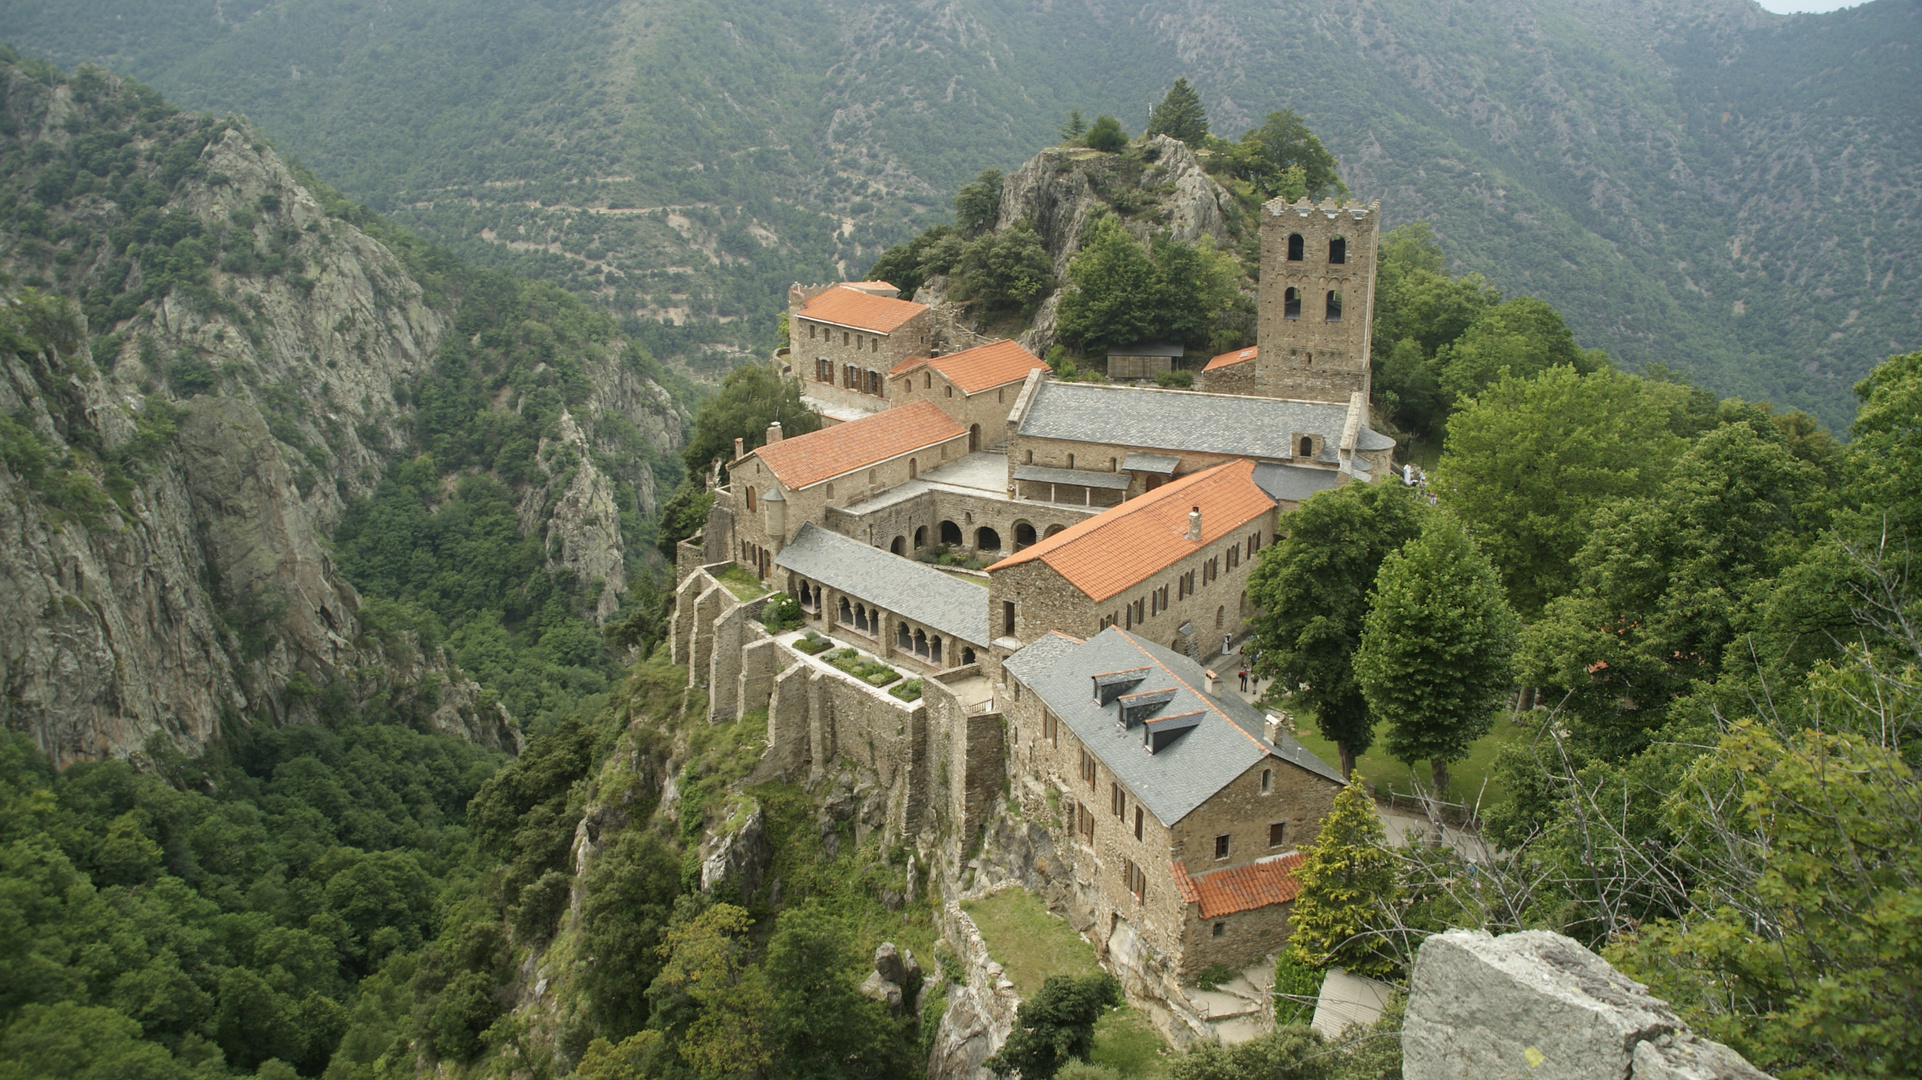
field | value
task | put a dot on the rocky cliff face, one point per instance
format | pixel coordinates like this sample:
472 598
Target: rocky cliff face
177 457
1160 189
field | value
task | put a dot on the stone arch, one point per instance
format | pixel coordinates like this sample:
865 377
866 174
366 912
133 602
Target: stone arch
1297 247
900 545
950 533
920 537
986 539
902 639
974 437
1291 303
847 611
1023 535
861 622
1051 530
921 643
934 650
1307 448
967 656
1221 616
1338 250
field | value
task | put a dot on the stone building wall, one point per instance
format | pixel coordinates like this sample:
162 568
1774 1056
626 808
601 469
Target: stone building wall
1246 937
872 355
1307 357
1231 379
985 412
917 521
1242 812
1044 601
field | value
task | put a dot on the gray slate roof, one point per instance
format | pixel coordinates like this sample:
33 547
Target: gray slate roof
1226 743
1154 463
1150 348
913 590
1293 482
1251 427
1043 475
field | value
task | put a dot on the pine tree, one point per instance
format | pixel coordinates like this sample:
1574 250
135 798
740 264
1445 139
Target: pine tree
1348 877
1074 128
1437 651
1180 115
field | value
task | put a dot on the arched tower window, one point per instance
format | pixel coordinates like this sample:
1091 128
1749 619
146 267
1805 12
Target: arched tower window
1334 306
1295 247
1338 250
1291 303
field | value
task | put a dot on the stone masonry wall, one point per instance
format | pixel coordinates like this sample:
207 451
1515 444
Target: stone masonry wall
1308 358
986 409
1243 812
1232 379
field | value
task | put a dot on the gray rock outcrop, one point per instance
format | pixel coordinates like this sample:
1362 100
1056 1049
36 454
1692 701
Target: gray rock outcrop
1538 1004
738 857
896 980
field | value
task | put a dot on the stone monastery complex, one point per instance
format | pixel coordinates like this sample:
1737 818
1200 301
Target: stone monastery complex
1071 690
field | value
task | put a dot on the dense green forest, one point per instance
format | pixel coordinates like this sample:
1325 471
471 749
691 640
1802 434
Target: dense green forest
1724 191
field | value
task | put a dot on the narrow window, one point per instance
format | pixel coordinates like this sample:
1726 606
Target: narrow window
1338 250
1030 459
811 329
1221 927
1291 303
750 498
950 391
1267 781
1307 447
1295 247
1117 802
1070 461
1137 823
1007 618
844 337
1277 832
997 396
1221 846
1334 306
914 468
927 380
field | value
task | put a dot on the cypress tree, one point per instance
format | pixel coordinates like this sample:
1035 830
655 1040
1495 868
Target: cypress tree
1180 115
1349 874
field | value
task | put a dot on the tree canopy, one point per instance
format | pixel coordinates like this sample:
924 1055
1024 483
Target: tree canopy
1180 115
1106 135
1124 291
752 397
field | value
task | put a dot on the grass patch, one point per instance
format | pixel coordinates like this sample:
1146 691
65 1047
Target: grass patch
908 691
1032 945
813 644
743 585
1465 777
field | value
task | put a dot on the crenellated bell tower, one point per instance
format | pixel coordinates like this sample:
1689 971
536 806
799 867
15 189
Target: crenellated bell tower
1317 299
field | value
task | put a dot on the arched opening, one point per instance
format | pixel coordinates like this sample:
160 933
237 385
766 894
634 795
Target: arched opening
920 537
1221 614
927 380
934 650
914 468
921 643
1334 306
900 545
974 437
902 639
861 619
967 656
1295 247
1291 303
1307 447
847 613
1023 535
1338 250
986 539
1178 645
950 533
1051 530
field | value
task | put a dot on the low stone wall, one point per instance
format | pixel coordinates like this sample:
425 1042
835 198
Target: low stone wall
981 1007
1539 1005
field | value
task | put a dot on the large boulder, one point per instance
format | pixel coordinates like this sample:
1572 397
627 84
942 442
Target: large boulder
1539 1005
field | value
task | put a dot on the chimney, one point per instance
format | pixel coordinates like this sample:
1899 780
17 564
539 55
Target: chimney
1194 524
740 448
1214 683
1274 729
774 433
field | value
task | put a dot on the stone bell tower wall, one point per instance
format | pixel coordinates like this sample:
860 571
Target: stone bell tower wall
1312 349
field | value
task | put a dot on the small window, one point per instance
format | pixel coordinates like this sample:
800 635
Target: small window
830 489
1307 447
1277 833
1221 846
1088 767
927 380
750 498
914 468
1334 306
1267 781
1221 928
1338 250
1070 461
1030 459
845 336
1117 800
1291 303
950 391
1007 618
1296 247
1137 823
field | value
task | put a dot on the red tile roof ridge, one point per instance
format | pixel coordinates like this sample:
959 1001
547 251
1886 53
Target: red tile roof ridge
804 460
985 367
1229 359
858 309
1083 576
1231 889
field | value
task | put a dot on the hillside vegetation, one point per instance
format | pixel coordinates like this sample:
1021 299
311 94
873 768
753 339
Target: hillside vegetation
1693 182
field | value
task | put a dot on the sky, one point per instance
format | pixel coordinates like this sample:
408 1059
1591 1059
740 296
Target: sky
1784 7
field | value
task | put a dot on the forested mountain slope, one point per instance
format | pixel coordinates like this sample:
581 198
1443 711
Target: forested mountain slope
1692 181
214 365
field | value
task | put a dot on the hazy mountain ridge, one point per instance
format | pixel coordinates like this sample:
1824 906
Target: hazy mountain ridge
690 159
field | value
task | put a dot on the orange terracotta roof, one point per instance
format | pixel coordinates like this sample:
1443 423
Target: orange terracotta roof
907 365
1228 359
985 367
851 307
1118 548
1240 888
829 452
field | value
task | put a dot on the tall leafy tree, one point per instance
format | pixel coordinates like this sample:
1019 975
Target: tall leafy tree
821 1027
1530 461
1437 650
752 397
978 202
1117 295
1312 587
1419 307
1007 269
1346 880
1107 135
1283 143
1523 336
1056 1025
1180 115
